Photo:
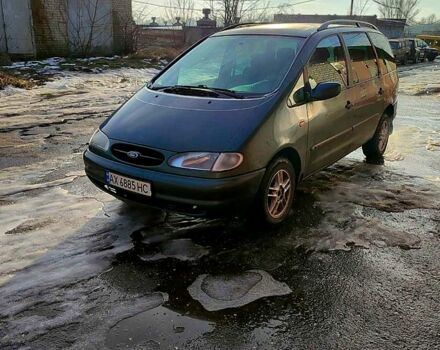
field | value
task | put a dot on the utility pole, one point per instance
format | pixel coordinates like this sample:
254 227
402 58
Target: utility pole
351 8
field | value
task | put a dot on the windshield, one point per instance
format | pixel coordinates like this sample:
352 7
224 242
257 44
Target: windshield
245 64
394 44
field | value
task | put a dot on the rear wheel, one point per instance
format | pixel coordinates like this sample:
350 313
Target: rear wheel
377 145
405 60
275 197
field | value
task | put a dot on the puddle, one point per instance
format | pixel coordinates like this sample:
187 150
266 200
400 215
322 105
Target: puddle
181 249
158 328
233 291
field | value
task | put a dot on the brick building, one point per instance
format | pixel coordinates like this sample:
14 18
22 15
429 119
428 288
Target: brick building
65 27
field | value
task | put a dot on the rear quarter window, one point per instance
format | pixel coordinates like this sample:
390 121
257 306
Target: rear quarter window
387 62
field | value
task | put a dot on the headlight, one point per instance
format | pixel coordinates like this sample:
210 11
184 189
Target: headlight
206 161
99 140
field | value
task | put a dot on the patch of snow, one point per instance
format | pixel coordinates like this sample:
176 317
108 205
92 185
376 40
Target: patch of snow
224 292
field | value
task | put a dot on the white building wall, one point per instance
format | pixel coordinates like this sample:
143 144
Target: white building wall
90 26
16 23
3 45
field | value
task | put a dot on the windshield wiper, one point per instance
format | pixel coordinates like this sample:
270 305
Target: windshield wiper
226 92
201 88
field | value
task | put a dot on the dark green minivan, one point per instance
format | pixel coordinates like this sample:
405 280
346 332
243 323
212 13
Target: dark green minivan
239 119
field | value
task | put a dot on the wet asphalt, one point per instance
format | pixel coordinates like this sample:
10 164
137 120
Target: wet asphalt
356 266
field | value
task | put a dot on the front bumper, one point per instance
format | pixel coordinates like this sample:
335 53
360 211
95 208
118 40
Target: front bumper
192 195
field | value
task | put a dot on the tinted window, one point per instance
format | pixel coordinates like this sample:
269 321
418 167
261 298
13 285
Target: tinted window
253 64
328 63
394 44
362 56
386 58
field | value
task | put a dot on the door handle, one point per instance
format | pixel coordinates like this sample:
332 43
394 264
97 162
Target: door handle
380 91
349 105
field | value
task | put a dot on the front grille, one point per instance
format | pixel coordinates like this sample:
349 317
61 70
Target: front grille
141 156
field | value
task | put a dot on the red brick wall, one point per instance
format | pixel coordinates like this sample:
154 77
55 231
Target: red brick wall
123 26
148 37
50 28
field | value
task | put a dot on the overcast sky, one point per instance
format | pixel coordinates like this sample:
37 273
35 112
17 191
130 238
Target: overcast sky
340 7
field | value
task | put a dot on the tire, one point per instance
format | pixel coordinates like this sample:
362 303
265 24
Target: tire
431 59
405 60
376 146
277 189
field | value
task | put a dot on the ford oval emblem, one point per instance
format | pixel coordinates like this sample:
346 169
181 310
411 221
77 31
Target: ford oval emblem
133 154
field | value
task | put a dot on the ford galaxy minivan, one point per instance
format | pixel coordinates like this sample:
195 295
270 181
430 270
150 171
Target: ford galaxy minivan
239 119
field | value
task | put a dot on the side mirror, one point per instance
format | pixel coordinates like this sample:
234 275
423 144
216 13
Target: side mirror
325 91
299 97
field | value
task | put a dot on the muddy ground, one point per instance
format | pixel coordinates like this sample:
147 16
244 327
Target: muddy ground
357 265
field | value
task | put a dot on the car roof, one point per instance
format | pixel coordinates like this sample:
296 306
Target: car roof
288 29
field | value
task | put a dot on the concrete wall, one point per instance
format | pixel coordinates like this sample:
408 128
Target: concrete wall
157 37
194 34
178 38
17 27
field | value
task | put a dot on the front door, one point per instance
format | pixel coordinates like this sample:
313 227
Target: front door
330 121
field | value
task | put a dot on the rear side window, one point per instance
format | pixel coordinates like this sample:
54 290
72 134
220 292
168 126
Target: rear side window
394 44
328 63
363 59
386 58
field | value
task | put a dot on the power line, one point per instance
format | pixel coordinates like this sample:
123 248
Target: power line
200 9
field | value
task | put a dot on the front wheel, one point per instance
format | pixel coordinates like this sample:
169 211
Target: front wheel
276 193
376 146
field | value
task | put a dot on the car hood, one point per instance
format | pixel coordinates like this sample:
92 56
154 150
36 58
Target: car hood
186 123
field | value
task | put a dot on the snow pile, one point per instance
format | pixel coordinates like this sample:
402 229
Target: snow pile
223 292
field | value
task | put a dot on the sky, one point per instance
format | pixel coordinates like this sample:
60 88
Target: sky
339 7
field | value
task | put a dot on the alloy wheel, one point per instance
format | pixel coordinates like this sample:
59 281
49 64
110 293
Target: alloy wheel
278 196
383 135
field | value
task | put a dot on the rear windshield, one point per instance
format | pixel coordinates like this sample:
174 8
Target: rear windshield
394 44
246 64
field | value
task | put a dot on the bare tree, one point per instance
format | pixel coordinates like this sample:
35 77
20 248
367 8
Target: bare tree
211 5
126 31
236 11
182 9
431 19
284 8
400 9
360 7
88 25
141 15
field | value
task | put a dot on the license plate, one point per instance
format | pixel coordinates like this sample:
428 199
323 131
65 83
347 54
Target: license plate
128 184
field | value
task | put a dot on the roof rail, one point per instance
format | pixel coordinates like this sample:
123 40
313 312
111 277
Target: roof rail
354 22
245 24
